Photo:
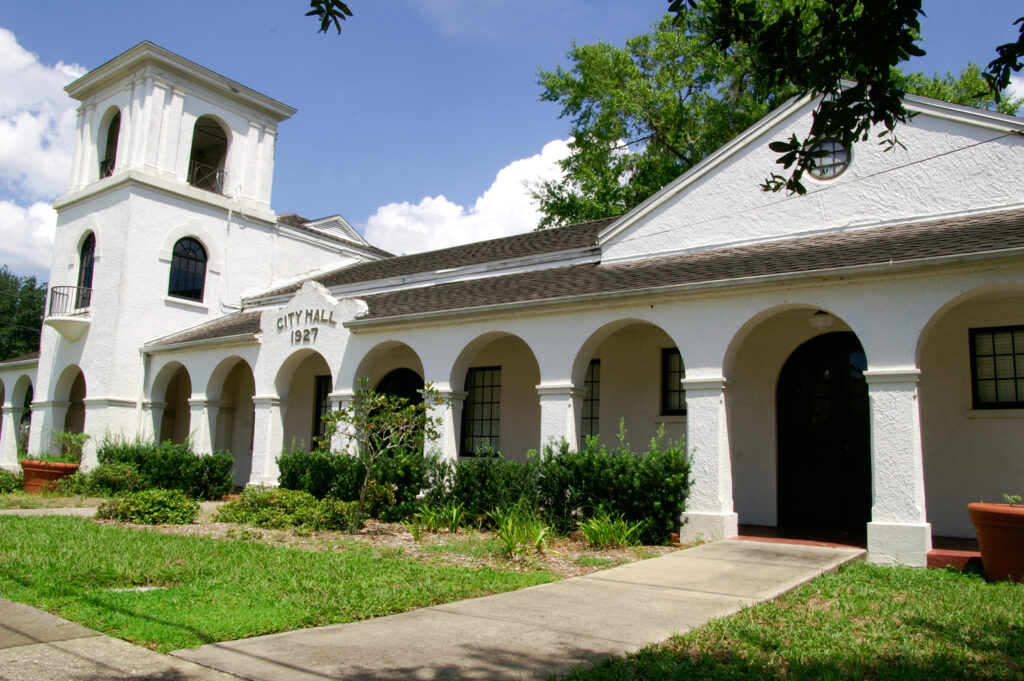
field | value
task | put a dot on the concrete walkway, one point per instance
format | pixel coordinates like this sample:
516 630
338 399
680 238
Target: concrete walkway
536 631
519 635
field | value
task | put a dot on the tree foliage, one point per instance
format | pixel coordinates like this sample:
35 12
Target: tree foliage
643 114
22 300
329 12
845 50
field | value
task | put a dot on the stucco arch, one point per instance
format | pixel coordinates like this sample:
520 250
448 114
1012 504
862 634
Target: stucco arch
194 229
21 390
162 378
297 384
969 451
215 384
288 367
602 333
981 293
62 388
104 145
470 350
381 359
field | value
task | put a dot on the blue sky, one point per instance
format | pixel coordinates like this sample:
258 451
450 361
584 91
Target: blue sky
420 123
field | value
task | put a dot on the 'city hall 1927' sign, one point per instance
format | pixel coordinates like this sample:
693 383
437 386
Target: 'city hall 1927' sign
304 325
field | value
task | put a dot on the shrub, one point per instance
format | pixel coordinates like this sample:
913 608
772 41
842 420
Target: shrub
278 508
173 466
151 507
114 478
320 473
649 488
485 483
10 481
76 484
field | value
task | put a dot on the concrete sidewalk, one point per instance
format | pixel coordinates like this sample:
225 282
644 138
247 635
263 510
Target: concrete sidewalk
36 646
536 631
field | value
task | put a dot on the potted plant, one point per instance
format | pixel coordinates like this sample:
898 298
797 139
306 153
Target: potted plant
1000 532
43 470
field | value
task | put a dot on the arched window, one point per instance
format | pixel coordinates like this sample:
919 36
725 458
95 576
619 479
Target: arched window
188 270
83 296
110 148
209 155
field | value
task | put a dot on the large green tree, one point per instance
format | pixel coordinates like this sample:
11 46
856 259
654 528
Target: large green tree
643 114
21 313
845 50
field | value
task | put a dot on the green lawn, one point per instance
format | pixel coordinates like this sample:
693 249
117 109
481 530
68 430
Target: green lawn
866 622
216 590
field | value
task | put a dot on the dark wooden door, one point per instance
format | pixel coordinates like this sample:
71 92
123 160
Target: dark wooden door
824 433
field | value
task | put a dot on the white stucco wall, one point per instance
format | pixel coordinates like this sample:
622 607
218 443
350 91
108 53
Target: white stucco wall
721 204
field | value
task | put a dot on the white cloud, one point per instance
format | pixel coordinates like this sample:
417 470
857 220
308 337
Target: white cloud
37 123
435 222
1016 87
26 238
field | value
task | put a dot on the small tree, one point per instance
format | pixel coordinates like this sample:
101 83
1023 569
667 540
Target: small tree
376 425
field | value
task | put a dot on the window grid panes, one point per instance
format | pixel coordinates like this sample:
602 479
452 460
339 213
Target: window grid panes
481 412
997 367
188 270
592 400
673 399
321 407
835 159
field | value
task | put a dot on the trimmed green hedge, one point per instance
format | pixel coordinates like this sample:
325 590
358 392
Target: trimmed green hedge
173 466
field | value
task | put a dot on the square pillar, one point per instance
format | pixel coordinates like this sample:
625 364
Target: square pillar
203 423
709 512
344 438
268 438
46 416
898 532
449 412
152 417
560 409
9 437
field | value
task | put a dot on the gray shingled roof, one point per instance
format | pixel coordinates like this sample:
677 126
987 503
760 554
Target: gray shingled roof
900 243
235 324
541 242
299 222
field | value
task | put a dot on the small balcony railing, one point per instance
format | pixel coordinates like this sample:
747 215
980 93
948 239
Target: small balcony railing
206 177
66 301
106 167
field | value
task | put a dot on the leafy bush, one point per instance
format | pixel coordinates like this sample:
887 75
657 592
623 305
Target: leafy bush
649 488
78 483
115 477
173 466
10 481
320 473
278 508
485 483
151 507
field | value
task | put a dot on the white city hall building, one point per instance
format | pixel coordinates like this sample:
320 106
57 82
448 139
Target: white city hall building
849 359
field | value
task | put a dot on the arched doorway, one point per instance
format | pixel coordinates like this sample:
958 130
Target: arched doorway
176 419
824 436
404 383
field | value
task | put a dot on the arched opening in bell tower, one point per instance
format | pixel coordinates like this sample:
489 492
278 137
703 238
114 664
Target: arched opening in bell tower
209 155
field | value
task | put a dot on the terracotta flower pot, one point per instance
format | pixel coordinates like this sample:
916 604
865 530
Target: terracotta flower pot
1000 530
40 475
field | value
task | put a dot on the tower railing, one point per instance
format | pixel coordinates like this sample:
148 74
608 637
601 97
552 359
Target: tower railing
206 177
69 300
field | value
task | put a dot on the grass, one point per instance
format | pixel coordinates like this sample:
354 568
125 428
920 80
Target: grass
865 622
46 500
216 590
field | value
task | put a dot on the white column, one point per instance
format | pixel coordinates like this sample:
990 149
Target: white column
77 165
268 438
450 414
560 409
203 422
47 417
898 532
343 438
9 437
152 418
709 512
